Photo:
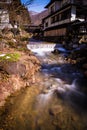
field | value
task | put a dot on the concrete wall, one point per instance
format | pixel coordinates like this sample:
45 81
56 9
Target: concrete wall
73 13
4 16
4 19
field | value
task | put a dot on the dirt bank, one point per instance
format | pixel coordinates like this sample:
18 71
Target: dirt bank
17 65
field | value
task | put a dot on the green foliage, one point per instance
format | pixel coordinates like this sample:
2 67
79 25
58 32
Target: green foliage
12 57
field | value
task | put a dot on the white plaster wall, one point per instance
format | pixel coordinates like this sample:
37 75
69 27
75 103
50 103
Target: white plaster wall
73 13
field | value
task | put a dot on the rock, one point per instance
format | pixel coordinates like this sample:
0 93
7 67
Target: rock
56 51
14 68
15 75
56 110
75 45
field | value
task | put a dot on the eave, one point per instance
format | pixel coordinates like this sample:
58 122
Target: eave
51 2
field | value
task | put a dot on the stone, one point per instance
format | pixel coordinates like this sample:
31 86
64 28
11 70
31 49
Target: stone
56 110
15 68
56 51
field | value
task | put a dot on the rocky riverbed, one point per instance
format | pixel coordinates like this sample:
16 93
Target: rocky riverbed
57 99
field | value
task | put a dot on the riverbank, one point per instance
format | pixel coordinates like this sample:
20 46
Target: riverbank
53 102
17 64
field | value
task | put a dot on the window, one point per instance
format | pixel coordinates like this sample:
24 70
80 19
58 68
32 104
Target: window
57 18
53 19
52 9
46 24
66 14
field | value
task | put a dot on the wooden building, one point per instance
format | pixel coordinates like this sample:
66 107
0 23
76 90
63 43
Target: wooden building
63 15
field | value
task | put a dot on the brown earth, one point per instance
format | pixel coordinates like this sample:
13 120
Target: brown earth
15 75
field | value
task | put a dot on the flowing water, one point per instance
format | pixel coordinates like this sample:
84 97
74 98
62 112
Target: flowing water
57 101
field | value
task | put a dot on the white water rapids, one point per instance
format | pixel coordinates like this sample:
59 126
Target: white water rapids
58 76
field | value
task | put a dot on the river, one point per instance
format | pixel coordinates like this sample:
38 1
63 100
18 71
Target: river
57 101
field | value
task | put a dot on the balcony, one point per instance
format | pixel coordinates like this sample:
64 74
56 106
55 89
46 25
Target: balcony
65 2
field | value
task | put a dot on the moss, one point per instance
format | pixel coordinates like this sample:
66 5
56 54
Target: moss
10 57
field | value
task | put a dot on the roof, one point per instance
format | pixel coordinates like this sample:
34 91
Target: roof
52 1
83 9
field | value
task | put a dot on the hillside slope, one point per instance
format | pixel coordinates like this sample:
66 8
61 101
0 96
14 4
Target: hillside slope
36 18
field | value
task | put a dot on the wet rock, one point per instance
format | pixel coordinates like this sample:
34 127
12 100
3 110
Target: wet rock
56 51
75 45
56 110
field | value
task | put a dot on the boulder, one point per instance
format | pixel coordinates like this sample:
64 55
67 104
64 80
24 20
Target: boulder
14 68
